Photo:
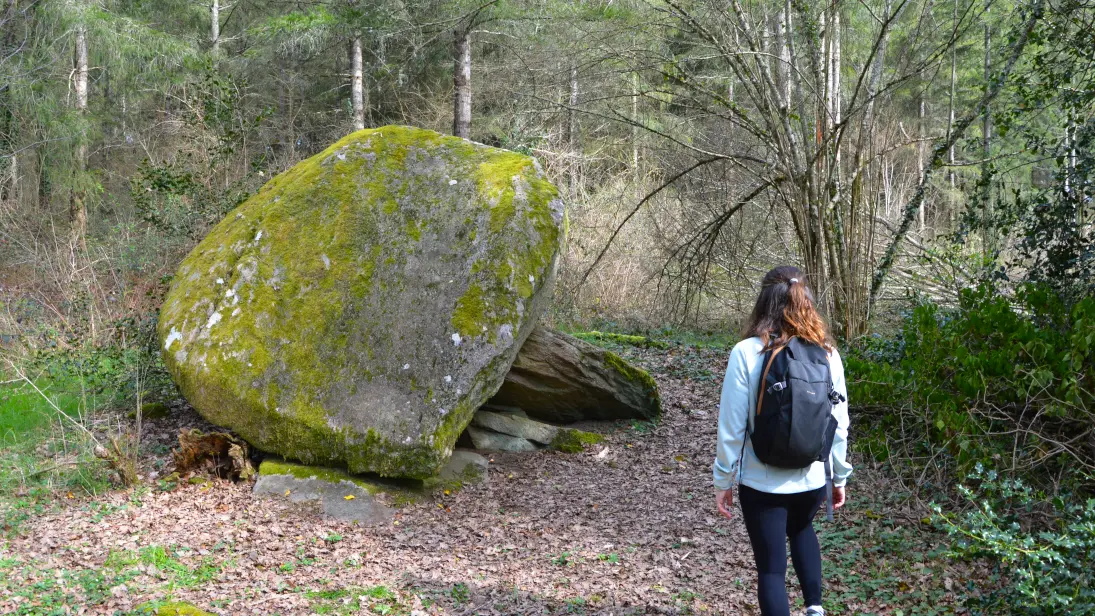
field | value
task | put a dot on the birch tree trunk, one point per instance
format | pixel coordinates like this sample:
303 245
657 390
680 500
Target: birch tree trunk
77 205
215 26
781 55
572 132
357 87
634 128
837 99
461 77
950 100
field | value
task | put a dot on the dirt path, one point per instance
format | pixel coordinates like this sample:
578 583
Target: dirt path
625 527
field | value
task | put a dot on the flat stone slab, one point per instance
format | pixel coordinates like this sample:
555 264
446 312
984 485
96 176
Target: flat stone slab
515 425
373 497
496 441
510 410
561 379
340 498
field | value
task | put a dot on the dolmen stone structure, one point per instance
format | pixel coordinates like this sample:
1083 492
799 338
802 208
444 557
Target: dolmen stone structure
361 308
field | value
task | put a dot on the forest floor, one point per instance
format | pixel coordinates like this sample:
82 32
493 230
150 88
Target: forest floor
626 527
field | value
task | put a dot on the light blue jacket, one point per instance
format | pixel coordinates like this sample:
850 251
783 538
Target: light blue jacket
739 404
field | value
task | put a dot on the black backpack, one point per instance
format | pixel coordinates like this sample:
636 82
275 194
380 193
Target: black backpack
794 425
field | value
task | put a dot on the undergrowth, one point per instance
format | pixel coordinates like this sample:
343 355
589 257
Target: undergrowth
43 454
995 389
1007 382
63 429
1042 568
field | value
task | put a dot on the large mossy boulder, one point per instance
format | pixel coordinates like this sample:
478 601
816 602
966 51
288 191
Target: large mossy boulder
362 306
561 379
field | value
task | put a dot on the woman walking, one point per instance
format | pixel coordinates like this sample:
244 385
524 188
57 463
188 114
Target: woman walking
780 498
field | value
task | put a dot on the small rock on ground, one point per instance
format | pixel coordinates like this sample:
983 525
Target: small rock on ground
465 466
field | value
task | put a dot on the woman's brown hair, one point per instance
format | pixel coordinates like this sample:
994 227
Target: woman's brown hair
785 309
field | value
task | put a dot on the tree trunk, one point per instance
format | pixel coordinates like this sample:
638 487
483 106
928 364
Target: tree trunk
834 73
781 55
920 154
634 128
833 86
1070 160
9 164
77 205
837 99
950 100
461 78
358 85
986 148
215 26
9 161
730 74
572 132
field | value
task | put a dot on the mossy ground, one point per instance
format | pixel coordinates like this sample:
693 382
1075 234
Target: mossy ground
288 313
180 609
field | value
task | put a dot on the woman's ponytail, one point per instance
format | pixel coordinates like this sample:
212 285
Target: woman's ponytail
784 309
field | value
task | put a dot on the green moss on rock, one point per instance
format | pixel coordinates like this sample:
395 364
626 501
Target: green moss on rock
634 374
400 493
303 471
636 341
360 306
569 440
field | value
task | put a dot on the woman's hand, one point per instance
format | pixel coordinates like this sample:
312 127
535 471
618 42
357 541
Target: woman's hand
838 497
724 500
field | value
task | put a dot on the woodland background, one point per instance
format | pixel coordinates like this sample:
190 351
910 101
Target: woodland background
928 163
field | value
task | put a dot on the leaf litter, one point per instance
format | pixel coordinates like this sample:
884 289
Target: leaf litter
625 527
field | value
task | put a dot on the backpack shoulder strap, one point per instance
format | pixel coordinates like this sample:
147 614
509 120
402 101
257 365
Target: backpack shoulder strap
764 377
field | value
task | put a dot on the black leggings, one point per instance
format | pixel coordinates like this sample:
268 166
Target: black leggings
770 519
